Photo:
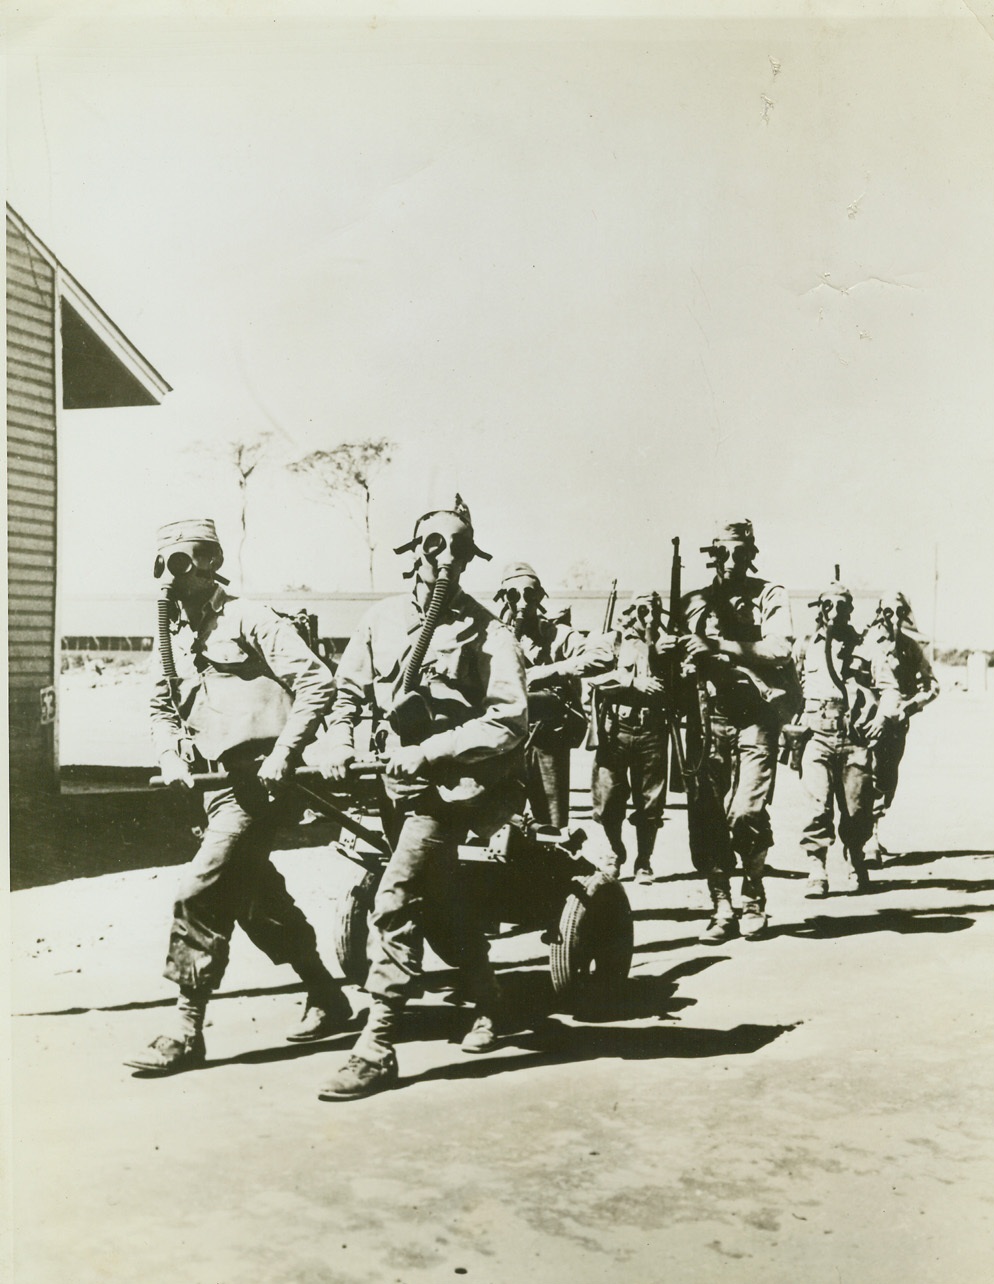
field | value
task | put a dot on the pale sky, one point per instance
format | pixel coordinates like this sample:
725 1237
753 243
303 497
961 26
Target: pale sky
611 280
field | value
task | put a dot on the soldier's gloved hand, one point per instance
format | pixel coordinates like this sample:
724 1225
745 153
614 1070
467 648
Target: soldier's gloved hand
406 762
648 686
334 762
175 772
276 768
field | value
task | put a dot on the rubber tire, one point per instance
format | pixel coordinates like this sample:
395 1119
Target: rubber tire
352 929
596 941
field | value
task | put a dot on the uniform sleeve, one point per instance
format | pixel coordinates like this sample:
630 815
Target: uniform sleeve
777 624
166 725
503 723
928 683
586 656
354 679
297 668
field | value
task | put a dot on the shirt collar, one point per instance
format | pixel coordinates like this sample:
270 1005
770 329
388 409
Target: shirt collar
212 608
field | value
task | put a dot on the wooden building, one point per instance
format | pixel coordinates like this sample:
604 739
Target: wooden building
63 353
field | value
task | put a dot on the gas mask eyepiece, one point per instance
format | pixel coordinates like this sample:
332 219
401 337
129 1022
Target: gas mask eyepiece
444 538
177 564
448 549
174 566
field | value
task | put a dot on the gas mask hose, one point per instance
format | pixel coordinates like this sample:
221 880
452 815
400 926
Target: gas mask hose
438 596
165 639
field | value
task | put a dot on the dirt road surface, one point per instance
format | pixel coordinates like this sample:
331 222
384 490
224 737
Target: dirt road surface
817 1106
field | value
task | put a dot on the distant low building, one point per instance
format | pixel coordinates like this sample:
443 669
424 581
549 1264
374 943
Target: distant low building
63 353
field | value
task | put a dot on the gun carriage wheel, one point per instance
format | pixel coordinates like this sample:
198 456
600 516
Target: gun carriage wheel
595 943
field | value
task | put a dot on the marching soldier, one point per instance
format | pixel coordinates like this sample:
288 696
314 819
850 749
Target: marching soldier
835 765
235 684
740 642
556 656
444 683
905 683
631 729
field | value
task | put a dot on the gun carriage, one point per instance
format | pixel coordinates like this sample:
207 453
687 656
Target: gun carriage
525 878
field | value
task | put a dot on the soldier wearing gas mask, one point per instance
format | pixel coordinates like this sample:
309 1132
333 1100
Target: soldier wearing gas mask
557 656
905 683
740 642
234 684
443 682
839 706
631 733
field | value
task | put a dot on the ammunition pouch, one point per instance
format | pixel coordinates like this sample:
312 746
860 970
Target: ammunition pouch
793 738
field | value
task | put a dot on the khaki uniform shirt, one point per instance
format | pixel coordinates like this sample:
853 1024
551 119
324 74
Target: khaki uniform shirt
900 671
757 611
825 704
245 675
473 677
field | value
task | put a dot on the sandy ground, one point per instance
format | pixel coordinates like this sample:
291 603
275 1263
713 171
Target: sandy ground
817 1106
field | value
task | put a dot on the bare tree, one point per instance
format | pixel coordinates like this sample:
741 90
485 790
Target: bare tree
242 456
582 575
346 472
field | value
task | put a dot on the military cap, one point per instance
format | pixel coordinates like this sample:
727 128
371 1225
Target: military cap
458 508
735 530
193 530
833 591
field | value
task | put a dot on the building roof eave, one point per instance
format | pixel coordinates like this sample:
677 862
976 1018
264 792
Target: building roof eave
83 303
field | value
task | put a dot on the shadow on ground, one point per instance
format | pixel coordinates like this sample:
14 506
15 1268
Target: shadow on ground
556 1044
89 834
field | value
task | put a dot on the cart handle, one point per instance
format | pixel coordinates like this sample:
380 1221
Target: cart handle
219 779
361 767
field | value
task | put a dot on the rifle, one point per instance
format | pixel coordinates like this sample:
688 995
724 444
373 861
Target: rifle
612 602
590 742
677 625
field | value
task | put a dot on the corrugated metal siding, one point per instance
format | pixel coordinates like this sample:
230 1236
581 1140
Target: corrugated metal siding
31 509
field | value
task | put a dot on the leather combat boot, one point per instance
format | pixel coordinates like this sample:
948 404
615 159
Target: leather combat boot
325 1013
645 836
752 920
724 925
481 1036
168 1055
874 851
612 833
372 1067
360 1078
817 884
752 916
860 879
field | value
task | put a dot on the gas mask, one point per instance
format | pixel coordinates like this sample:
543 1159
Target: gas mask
732 549
834 608
643 615
442 539
894 614
443 545
183 547
520 596
173 565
